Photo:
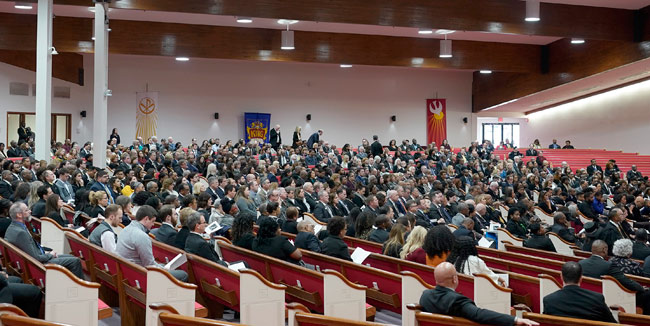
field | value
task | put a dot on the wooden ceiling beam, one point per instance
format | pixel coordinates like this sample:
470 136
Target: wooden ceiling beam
65 66
495 16
18 32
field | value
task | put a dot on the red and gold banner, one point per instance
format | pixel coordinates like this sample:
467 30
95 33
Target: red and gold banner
436 121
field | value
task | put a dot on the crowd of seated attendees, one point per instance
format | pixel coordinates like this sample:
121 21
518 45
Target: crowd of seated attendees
402 197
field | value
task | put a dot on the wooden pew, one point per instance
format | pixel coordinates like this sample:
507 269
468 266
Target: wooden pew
505 235
353 242
540 253
548 320
68 298
561 246
429 319
15 320
383 288
168 316
52 236
130 282
302 285
310 217
546 218
299 315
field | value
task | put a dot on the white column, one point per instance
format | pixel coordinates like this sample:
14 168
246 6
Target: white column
100 103
43 81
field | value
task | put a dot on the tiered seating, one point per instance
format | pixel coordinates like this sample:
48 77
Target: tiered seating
304 285
68 298
130 281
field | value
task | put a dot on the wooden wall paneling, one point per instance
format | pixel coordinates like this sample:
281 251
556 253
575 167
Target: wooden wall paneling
65 66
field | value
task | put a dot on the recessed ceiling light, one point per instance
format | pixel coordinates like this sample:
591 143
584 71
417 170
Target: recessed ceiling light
287 21
577 41
345 66
425 31
182 59
23 5
244 20
444 31
485 71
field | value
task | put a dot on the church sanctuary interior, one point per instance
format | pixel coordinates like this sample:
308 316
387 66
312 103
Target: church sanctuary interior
321 163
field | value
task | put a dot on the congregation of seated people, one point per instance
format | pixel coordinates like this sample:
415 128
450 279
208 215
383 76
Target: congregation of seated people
404 198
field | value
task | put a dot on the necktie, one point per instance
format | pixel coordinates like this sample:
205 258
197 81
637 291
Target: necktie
36 243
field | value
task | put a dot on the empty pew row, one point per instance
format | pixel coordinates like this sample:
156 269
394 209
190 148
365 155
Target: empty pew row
321 292
68 298
129 282
259 301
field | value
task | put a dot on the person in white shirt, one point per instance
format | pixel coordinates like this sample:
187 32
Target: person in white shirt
465 258
103 235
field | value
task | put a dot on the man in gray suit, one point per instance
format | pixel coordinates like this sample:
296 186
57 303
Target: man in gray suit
18 235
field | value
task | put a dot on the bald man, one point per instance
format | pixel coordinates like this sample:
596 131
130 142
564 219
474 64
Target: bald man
444 299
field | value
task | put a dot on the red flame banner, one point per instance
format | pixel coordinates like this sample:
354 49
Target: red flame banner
436 121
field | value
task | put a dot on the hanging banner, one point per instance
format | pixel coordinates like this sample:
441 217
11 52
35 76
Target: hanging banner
257 126
436 121
146 116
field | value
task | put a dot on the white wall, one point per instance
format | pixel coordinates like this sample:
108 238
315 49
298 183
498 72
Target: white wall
348 104
79 100
616 120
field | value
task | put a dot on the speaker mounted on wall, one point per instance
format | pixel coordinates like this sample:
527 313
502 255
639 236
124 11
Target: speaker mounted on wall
393 118
216 115
83 114
309 117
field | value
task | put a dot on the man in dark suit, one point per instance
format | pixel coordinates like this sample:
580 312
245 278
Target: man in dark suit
195 244
561 229
213 186
275 138
640 250
613 230
585 206
166 233
596 266
376 149
437 212
6 191
465 229
18 235
322 210
306 238
575 302
151 163
380 235
314 139
443 299
531 151
538 239
593 167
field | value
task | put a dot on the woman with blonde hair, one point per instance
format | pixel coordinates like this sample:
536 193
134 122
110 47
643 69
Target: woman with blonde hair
33 195
395 242
414 242
99 202
198 188
297 138
211 170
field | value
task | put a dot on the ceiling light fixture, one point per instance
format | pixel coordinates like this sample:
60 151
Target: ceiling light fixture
244 20
425 31
532 10
287 40
287 21
485 71
183 59
445 48
23 5
444 31
577 41
343 65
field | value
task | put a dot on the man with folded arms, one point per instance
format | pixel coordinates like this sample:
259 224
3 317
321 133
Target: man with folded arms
444 300
574 301
18 235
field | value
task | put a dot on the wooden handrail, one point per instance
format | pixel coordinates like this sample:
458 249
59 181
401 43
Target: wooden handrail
262 279
509 234
166 318
417 277
314 319
313 217
560 238
550 278
555 320
340 276
15 320
610 278
11 309
163 307
86 284
497 286
297 306
169 276
47 219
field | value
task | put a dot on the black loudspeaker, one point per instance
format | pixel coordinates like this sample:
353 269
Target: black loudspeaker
465 120
216 115
83 114
309 117
393 118
545 59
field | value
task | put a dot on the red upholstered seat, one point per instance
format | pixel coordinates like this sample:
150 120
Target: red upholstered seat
199 310
104 311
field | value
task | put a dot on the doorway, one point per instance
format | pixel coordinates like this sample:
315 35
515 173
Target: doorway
61 125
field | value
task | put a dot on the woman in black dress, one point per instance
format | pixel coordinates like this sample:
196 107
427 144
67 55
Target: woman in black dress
269 242
242 230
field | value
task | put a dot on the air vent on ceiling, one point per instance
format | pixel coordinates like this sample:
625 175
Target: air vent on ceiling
61 91
16 88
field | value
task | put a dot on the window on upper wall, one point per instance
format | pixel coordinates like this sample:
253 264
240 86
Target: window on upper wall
500 132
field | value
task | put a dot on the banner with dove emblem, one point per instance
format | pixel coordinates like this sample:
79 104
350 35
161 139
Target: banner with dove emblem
436 121
257 127
146 115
